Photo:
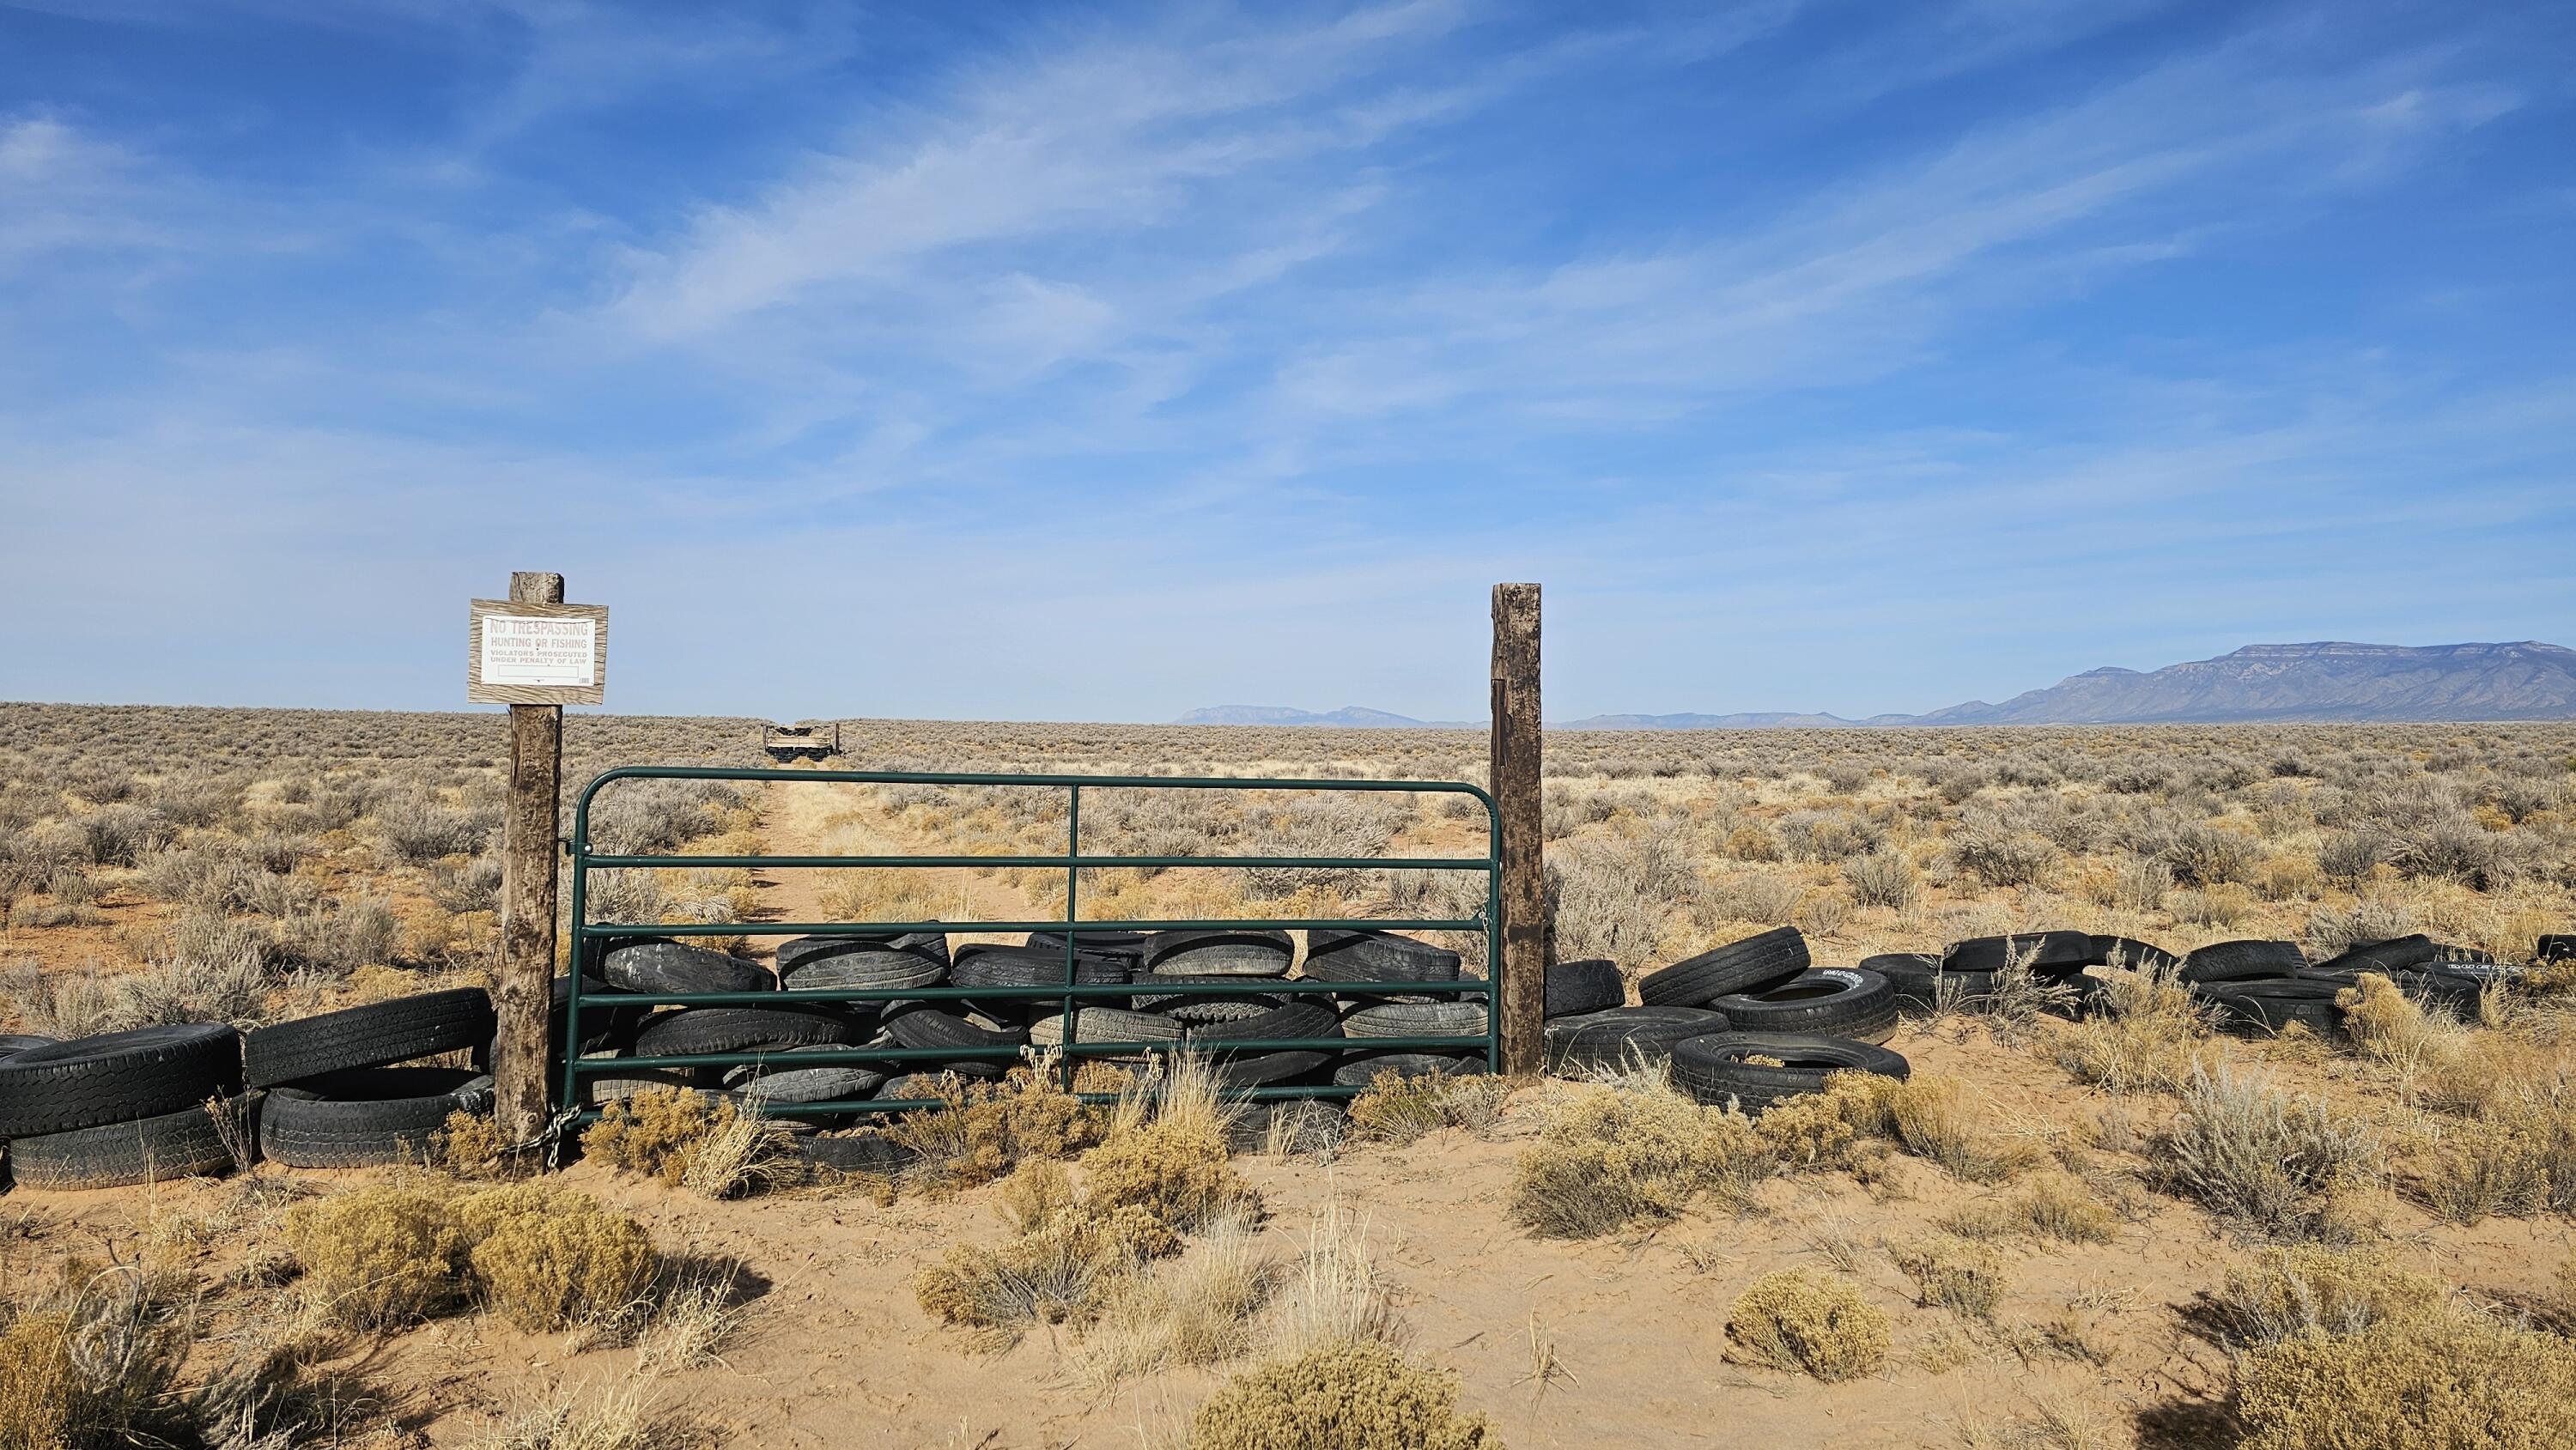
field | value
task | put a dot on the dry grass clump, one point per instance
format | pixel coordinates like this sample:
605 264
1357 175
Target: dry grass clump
540 1257
2050 1206
2386 1025
2146 1034
1967 1278
1400 1110
1173 1170
987 1129
2308 1290
692 1139
95 1362
1607 1156
1354 1394
1797 1321
609 1417
2251 1152
1192 1310
2444 1381
2516 1158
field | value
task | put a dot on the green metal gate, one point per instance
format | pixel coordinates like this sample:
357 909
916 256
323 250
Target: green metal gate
589 939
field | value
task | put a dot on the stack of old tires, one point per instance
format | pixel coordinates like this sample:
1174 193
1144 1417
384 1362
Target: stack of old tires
1750 1022
126 1107
2261 987
349 1089
1221 1025
1379 956
1966 975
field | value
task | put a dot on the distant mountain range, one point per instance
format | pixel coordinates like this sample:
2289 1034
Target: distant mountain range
2327 681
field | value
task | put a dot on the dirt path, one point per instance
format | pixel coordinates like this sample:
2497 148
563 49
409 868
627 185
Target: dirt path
799 819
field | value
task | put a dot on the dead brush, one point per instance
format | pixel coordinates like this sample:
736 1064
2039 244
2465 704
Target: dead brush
2250 1152
2148 1033
2308 1290
1965 1277
694 1140
1606 1157
543 1258
604 1417
1360 1393
2432 1379
1399 1110
1803 1323
1335 1294
1196 1309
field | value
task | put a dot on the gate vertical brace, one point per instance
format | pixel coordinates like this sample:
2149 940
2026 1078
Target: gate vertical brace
524 987
1521 964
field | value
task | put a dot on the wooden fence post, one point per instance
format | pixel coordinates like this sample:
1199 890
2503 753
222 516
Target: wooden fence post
525 986
1515 785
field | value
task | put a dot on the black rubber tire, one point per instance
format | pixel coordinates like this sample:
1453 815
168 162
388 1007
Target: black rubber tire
602 1088
1296 1020
1104 1024
2051 953
370 1036
742 1029
2242 961
1230 1007
1221 953
2440 987
1744 966
367 1116
13 1043
2400 954
669 966
832 1081
2483 971
2263 1006
2132 954
1416 1019
1361 1069
609 1025
927 1027
1261 1069
1712 1068
1591 985
1120 946
2554 946
1376 956
1850 1002
117 1078
863 1152
1011 969
800 951
1917 980
182 1144
1607 1039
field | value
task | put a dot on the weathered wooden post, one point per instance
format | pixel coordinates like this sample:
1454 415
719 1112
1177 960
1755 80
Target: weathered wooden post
1515 786
536 654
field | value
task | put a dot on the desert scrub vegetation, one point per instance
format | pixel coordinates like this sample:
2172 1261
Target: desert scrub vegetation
2309 1290
696 1140
1361 1393
542 1258
2450 1380
1398 1109
1807 1323
1608 1155
2279 1164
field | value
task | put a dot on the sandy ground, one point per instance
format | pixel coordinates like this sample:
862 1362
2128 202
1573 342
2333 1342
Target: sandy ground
836 1352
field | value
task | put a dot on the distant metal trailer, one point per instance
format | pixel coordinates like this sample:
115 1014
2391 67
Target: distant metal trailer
801 742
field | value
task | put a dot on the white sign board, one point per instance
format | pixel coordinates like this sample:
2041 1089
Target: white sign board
521 649
519 653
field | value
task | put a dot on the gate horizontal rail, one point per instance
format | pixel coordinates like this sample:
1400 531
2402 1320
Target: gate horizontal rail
590 938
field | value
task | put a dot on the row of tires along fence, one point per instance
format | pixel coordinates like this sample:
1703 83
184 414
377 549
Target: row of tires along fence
1749 1023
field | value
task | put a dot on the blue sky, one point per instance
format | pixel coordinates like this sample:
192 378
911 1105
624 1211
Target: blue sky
1098 363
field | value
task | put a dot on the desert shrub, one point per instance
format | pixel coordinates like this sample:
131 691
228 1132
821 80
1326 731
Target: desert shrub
1192 1310
2202 854
382 1255
1797 1321
95 1361
1607 1156
987 1129
1399 1110
1172 1170
2307 1290
1318 825
118 835
546 1258
2384 1023
2334 929
1352 1394
2050 1206
1967 1278
691 1139
417 829
1829 836
1995 856
2251 1152
1882 878
1612 897
2147 1033
2517 1157
1055 1268
2443 1382
2347 858
2450 844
